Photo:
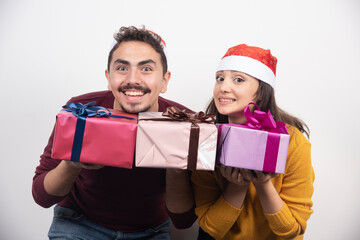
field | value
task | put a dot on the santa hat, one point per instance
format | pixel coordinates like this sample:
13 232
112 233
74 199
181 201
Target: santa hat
156 36
254 61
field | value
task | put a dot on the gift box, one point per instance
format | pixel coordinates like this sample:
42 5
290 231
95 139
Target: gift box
95 135
260 144
175 139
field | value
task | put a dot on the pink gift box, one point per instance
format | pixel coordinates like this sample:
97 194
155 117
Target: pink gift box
106 140
252 149
165 143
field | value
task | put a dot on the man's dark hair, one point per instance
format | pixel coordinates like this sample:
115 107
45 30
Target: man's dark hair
132 33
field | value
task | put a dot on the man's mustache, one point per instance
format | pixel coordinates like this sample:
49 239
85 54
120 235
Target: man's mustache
136 87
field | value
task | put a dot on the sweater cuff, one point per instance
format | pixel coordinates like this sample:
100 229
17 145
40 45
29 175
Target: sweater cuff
282 221
40 195
183 220
221 216
232 213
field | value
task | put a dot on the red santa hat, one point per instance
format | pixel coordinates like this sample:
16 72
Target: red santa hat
254 61
162 43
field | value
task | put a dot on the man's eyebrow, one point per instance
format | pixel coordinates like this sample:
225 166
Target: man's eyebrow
117 61
146 62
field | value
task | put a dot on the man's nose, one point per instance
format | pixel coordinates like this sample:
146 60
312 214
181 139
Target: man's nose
133 77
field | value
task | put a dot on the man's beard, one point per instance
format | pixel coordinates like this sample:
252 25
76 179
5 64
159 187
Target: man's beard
133 109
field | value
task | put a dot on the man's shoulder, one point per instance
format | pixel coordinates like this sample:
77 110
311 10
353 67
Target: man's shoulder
102 98
164 103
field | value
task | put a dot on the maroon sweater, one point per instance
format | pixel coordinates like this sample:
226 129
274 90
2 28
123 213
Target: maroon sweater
127 200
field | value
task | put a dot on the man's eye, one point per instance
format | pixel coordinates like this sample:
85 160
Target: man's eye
121 68
238 80
146 69
219 79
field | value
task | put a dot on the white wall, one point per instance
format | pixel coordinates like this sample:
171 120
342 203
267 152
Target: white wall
51 50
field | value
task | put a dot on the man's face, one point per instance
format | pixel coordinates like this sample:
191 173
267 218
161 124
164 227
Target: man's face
136 77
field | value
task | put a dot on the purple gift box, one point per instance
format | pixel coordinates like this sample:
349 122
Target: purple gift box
260 144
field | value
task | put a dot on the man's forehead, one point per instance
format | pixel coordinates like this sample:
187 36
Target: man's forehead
136 46
134 53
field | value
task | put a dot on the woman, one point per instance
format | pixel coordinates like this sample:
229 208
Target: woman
233 203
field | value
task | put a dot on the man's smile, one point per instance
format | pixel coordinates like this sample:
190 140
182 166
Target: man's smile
134 90
131 93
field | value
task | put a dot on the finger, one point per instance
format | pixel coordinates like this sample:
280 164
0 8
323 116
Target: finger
274 175
228 171
91 166
97 166
253 173
259 174
247 174
222 170
72 164
240 177
235 174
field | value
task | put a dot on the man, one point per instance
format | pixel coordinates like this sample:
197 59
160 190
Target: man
97 202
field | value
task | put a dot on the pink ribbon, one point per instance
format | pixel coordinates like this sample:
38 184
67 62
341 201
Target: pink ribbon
263 121
260 120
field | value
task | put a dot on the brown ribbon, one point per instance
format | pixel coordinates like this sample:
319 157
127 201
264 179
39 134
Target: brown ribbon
175 114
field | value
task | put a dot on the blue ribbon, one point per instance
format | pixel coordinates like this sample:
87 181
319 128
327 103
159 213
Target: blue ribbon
82 111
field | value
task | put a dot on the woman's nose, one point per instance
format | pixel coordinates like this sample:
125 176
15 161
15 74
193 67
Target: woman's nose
225 86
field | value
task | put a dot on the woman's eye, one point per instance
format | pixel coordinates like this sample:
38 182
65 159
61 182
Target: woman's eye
219 79
238 80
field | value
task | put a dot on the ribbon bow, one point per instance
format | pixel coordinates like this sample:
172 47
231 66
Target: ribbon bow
86 110
178 115
262 120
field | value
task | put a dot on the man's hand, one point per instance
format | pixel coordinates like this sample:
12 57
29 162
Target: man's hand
79 165
60 180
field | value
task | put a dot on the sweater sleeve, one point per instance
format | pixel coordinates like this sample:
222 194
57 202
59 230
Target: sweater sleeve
215 215
40 195
296 191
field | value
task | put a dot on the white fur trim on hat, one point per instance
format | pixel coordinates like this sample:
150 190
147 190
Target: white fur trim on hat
249 66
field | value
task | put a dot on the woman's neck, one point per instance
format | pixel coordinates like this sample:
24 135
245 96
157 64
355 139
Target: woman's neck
237 119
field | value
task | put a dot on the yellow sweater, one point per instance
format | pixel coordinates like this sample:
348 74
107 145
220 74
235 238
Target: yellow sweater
224 221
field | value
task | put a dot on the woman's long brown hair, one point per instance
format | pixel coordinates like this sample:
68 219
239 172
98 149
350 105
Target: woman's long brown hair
265 99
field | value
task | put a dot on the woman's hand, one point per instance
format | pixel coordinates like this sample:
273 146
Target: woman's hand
268 196
257 177
233 175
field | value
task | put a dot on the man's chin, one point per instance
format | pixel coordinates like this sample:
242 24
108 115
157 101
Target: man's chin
134 108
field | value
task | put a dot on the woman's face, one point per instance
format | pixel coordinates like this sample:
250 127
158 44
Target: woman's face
233 91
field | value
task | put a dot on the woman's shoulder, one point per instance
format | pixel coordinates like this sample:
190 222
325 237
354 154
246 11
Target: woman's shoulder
297 138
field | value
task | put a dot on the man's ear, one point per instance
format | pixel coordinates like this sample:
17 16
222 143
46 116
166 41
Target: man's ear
166 79
108 78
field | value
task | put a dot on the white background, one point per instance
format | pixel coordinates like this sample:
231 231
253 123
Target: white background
51 50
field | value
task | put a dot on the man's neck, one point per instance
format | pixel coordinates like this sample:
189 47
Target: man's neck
116 105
